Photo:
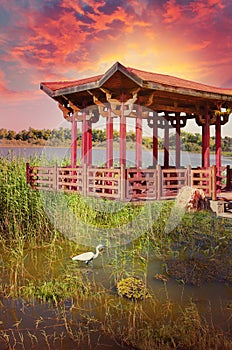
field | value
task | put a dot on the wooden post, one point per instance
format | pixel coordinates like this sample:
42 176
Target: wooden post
122 134
178 140
138 132
189 175
214 180
159 181
166 144
84 139
109 139
89 143
155 141
85 180
122 182
218 151
206 142
74 142
55 177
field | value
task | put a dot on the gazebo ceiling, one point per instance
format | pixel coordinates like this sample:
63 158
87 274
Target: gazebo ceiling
157 92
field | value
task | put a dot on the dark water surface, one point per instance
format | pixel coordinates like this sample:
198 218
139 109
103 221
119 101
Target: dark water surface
67 326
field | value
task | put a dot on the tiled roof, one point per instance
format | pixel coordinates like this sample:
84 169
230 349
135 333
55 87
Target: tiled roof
176 82
57 85
155 78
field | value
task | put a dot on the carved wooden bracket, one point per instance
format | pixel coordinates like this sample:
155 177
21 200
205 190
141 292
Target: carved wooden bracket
67 112
161 122
91 114
182 122
116 106
213 115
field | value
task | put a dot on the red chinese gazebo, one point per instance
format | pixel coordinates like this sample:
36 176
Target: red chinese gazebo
165 102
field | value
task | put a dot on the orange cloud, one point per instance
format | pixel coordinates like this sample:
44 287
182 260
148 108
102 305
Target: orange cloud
173 11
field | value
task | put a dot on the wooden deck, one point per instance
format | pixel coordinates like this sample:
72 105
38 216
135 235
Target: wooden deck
121 183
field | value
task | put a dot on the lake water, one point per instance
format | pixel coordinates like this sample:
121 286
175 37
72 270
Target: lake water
187 158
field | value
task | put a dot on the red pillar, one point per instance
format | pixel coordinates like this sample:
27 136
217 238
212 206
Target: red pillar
177 140
218 149
84 139
122 135
206 143
138 133
89 143
109 139
155 140
166 144
74 142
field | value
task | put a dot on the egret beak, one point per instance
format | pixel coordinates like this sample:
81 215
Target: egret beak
101 251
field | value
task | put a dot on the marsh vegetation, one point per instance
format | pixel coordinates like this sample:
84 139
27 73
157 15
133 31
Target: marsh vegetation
48 301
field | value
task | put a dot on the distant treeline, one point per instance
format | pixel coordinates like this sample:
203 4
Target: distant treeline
62 137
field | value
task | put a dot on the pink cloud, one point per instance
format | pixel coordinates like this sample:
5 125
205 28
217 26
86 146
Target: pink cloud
7 94
206 8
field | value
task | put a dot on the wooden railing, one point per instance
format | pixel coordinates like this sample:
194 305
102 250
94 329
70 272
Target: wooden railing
141 184
171 181
102 182
123 183
69 179
205 179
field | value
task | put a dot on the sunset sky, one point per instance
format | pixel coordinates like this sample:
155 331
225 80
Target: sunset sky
71 39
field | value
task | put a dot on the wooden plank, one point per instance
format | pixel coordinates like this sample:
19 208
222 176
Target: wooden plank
109 187
172 187
50 182
99 178
177 178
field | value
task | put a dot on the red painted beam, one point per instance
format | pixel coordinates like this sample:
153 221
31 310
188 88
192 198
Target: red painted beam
122 158
218 150
206 143
155 141
84 140
89 143
109 139
166 144
138 133
177 141
74 142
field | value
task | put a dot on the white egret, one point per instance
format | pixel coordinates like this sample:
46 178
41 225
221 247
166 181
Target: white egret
87 257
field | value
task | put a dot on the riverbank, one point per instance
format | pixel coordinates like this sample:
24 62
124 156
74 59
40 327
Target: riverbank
100 146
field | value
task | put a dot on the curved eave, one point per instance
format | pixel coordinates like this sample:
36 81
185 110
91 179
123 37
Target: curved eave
69 90
188 92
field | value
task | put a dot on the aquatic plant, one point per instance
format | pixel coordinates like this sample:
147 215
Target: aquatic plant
132 288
